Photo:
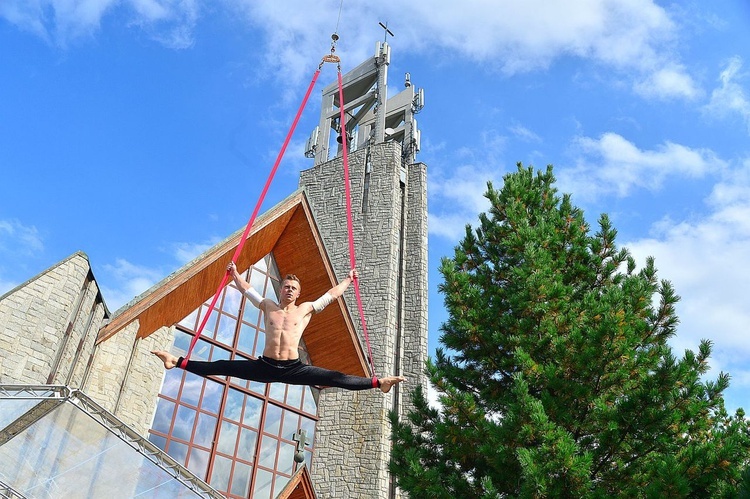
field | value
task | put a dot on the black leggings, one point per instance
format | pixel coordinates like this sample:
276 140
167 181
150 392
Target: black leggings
291 372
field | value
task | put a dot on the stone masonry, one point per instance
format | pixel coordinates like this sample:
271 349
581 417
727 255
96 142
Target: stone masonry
389 211
48 332
48 325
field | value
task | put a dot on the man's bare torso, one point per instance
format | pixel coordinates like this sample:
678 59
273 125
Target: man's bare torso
284 328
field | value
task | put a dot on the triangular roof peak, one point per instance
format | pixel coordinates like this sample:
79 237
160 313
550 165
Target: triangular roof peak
288 230
300 486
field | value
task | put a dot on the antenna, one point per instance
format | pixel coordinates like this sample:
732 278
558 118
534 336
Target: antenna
312 143
387 31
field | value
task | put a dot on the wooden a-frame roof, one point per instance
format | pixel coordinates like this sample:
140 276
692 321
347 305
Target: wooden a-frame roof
300 486
287 230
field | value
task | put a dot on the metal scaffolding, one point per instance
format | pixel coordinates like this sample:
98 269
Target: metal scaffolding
57 442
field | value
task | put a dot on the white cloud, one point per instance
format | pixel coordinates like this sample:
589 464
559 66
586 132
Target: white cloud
19 239
18 243
524 134
632 36
635 37
458 184
706 260
6 285
130 280
613 165
186 252
667 82
730 99
171 22
433 397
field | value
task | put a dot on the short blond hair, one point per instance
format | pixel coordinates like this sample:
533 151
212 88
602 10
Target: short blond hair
292 277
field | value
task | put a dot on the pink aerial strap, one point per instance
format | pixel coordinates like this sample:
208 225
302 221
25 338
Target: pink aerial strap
350 225
252 218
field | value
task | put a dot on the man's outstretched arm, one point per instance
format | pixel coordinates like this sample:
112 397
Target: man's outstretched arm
334 292
244 286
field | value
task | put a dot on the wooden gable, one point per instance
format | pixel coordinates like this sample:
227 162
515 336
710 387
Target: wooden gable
287 230
300 486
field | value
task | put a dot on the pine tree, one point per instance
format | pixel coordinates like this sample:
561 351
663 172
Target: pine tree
557 379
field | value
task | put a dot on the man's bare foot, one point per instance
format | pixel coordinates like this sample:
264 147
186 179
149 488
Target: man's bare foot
169 360
389 381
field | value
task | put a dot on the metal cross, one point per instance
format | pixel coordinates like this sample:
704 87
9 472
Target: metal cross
301 438
387 31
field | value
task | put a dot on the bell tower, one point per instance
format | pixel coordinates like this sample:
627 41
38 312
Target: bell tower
389 212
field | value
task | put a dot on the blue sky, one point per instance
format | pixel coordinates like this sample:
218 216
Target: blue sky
141 131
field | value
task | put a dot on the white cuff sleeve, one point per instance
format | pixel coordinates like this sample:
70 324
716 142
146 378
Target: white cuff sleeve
253 296
322 302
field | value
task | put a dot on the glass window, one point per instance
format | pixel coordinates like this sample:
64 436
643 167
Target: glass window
178 451
268 449
281 482
246 339
204 430
273 420
189 322
253 409
251 313
291 424
181 343
171 383
225 331
262 488
234 405
308 425
260 344
248 444
218 353
183 424
241 479
236 434
163 416
310 405
228 438
220 473
278 391
258 282
294 396
286 458
232 301
212 393
198 462
158 441
191 389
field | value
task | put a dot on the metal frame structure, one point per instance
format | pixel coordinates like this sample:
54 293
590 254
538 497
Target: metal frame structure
52 396
372 117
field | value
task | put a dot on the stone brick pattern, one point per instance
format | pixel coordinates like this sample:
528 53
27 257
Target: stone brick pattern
353 435
126 377
414 341
48 332
48 325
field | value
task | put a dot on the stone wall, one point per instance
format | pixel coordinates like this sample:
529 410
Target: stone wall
48 331
125 377
353 435
47 325
414 342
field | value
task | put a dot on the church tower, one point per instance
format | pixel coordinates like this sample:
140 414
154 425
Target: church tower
389 213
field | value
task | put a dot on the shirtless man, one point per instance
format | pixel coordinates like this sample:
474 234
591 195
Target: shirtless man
285 323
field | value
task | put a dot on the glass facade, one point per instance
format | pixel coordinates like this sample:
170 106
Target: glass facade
235 434
55 442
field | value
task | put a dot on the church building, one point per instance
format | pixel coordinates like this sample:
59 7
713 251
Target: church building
87 411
